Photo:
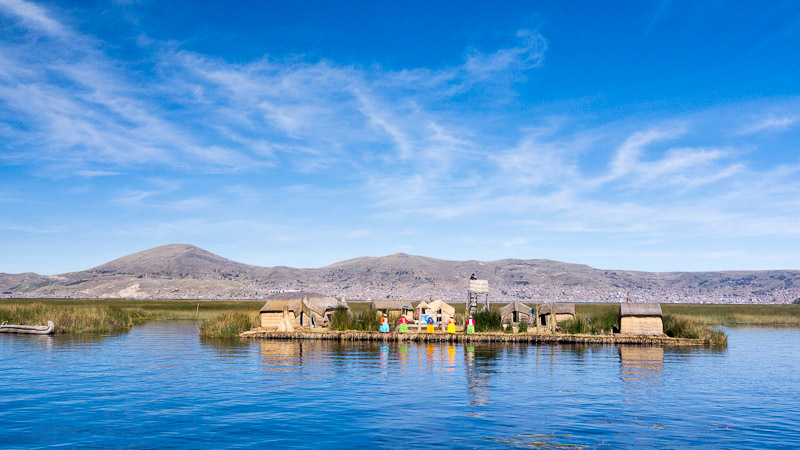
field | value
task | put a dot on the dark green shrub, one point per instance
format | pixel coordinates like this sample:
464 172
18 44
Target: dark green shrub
523 327
342 319
573 326
487 321
603 323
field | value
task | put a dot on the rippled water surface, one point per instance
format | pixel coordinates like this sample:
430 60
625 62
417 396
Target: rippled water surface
160 385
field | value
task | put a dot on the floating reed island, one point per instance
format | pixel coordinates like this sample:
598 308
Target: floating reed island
532 338
309 316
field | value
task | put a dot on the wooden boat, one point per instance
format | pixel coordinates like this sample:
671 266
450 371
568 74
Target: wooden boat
28 329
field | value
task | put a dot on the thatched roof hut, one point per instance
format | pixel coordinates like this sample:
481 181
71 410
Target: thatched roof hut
295 306
516 312
641 319
562 311
394 308
284 315
440 306
440 311
301 309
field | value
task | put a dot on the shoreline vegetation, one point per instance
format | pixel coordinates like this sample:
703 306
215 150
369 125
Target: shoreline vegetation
78 316
232 318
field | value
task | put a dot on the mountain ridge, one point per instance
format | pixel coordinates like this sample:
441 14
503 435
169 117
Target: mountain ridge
188 271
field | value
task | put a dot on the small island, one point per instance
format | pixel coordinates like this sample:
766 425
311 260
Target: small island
307 315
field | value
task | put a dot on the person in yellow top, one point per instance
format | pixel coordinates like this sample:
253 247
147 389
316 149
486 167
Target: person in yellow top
451 325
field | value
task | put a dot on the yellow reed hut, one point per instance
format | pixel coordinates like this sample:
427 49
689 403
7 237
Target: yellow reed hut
641 319
514 313
440 311
561 311
286 311
393 308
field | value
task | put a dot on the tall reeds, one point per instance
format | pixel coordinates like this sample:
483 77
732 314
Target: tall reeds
228 324
343 320
593 321
71 319
689 327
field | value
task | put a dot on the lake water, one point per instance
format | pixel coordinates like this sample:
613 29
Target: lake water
160 385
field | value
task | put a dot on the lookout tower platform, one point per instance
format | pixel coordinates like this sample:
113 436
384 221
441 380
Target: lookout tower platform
478 293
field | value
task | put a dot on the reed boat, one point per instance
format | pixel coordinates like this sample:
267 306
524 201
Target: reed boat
28 329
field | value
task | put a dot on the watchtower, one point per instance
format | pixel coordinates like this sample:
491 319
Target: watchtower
478 290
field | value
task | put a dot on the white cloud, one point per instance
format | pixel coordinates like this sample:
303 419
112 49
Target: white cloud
398 145
33 15
770 123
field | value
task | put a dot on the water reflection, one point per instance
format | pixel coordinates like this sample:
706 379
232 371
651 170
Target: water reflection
277 354
227 347
49 342
641 366
180 391
478 366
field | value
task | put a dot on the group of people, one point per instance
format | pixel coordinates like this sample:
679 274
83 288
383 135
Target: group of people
402 326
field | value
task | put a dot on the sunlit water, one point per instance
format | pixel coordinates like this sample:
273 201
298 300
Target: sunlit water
160 385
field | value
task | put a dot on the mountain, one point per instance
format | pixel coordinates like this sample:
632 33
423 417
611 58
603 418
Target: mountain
186 271
173 261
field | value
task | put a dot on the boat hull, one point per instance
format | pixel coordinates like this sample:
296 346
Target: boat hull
29 329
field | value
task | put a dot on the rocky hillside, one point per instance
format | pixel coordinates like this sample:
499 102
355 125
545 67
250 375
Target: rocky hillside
186 271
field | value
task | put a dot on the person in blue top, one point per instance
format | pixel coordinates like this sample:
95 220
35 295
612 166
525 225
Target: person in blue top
384 324
429 328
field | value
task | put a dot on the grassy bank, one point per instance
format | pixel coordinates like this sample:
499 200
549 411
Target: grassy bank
102 316
71 319
691 328
760 315
82 316
228 324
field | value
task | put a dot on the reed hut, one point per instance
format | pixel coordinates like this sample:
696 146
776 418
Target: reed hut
298 309
641 319
284 315
440 311
562 312
393 308
516 312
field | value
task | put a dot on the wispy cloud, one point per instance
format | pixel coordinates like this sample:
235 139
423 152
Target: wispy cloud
34 16
439 145
770 123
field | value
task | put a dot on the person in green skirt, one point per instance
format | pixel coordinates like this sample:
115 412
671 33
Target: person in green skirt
403 327
470 325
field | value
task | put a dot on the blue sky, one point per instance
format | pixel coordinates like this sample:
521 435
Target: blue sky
642 135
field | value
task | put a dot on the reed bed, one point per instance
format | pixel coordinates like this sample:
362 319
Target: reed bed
102 316
691 328
593 319
759 315
228 324
365 320
71 319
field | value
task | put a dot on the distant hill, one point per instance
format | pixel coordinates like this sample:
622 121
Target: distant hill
186 271
173 261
